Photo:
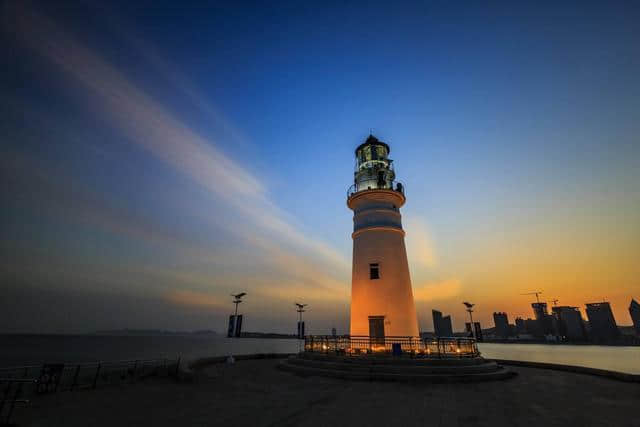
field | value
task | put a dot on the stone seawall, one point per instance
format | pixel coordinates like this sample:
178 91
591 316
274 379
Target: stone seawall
206 361
620 376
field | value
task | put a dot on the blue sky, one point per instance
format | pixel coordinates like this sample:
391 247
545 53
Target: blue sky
157 157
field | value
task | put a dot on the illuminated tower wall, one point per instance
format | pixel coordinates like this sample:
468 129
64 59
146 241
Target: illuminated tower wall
381 296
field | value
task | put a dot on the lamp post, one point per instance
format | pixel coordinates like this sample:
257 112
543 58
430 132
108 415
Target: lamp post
470 310
300 309
237 299
234 324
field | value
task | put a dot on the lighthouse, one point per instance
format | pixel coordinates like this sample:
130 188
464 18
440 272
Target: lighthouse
381 296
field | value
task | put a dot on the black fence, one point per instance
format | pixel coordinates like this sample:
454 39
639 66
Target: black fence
443 347
53 377
18 384
12 395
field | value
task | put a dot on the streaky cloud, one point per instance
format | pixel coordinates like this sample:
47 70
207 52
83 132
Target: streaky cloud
420 246
148 124
438 290
197 299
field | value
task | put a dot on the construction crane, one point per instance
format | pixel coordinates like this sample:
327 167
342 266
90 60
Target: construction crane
537 293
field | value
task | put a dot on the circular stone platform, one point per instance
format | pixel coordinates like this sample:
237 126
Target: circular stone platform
390 368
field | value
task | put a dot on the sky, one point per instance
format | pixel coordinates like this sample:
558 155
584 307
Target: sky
158 156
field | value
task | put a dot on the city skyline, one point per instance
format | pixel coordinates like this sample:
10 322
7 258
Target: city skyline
486 322
152 169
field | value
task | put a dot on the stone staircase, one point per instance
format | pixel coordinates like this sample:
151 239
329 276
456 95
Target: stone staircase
387 368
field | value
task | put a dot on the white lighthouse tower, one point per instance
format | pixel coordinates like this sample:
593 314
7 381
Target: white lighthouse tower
381 296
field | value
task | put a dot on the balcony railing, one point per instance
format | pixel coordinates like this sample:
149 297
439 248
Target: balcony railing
442 347
395 186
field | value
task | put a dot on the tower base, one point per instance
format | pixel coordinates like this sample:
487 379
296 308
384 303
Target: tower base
374 367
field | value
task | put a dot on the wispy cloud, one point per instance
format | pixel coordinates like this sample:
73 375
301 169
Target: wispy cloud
58 195
420 246
152 126
439 290
196 299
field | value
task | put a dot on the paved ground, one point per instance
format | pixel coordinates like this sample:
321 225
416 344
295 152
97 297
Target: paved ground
254 393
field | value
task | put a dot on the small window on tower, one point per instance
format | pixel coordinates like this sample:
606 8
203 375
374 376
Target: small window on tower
374 271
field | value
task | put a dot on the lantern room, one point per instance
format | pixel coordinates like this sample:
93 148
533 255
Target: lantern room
374 168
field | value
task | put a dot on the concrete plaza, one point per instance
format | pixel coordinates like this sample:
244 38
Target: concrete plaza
255 393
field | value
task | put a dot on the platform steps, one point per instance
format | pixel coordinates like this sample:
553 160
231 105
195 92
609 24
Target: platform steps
391 360
418 371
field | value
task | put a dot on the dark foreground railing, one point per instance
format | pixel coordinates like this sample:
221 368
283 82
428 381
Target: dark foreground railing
54 377
12 394
20 382
442 347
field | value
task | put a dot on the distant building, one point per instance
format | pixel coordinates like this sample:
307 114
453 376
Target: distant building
501 322
477 330
427 335
569 323
532 327
545 322
441 325
603 325
520 327
634 311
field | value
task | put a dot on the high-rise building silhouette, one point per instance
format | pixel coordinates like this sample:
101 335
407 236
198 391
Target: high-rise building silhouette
603 328
501 322
520 326
545 322
477 330
441 325
634 311
569 323
381 296
539 310
532 326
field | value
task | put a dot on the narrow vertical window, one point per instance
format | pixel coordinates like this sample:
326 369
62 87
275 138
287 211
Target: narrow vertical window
374 271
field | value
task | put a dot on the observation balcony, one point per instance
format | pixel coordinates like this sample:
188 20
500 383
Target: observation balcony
372 185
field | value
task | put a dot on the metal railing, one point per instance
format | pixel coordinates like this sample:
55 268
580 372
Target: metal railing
395 186
442 347
18 383
52 377
12 393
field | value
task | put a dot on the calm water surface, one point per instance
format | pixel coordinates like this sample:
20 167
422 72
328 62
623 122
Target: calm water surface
18 350
622 359
35 349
